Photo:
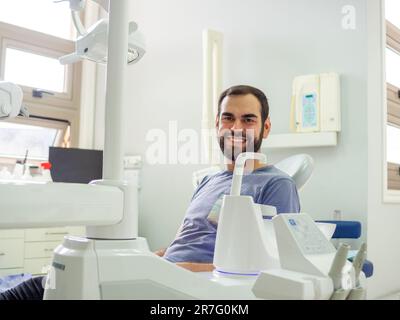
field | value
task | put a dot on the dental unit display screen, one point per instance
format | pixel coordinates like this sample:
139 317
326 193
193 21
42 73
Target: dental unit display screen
75 165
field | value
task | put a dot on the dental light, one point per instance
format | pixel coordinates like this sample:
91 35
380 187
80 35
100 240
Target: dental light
11 97
92 44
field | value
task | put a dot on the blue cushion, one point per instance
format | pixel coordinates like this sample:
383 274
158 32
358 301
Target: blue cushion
345 229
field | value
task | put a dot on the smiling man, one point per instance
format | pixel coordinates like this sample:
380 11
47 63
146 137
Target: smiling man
242 123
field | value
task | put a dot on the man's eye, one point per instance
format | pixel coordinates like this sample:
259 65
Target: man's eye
227 118
249 120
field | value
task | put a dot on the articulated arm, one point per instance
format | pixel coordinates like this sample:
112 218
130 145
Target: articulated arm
30 205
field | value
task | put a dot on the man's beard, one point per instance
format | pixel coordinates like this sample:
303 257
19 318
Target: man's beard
232 151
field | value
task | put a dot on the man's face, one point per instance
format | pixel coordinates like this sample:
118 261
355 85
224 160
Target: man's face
239 125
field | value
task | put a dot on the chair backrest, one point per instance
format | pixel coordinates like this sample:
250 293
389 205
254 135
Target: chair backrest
299 167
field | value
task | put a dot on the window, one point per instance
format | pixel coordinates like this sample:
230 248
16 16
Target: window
393 144
393 67
392 168
33 70
393 157
31 137
392 9
44 16
31 60
33 36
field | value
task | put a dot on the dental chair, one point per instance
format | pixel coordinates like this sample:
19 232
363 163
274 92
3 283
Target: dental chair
300 168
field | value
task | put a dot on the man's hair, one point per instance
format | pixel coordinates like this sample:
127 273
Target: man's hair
244 90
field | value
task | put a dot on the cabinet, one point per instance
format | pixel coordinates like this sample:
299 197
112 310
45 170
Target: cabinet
31 250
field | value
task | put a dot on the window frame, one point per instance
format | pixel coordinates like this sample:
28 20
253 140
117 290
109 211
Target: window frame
391 98
30 41
64 106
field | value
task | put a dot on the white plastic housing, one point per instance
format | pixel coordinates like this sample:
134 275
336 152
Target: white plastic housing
93 45
241 245
127 228
326 89
289 285
11 97
112 269
330 102
299 167
302 246
302 86
30 205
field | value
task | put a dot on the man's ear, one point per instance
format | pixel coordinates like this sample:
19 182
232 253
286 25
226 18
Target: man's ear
217 122
267 127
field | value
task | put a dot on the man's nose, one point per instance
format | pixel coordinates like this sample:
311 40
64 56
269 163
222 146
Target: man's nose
237 125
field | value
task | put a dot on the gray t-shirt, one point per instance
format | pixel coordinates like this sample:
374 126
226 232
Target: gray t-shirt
195 240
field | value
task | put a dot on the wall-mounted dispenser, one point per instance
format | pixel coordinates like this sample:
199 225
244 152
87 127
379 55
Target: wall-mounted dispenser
315 103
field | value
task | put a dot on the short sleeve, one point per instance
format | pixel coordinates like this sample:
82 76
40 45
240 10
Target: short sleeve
282 194
203 182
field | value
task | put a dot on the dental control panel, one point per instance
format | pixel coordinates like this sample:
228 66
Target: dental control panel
307 235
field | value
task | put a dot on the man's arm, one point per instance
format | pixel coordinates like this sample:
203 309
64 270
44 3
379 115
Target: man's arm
196 267
282 194
191 266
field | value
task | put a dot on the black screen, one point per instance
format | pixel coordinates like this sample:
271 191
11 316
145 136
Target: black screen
75 165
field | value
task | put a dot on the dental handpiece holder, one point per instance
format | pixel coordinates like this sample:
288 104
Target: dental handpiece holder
241 247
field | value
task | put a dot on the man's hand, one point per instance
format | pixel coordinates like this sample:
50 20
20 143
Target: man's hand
196 267
160 252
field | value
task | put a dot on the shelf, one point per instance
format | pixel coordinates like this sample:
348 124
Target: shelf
300 140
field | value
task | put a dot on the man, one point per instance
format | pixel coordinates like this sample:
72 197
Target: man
242 123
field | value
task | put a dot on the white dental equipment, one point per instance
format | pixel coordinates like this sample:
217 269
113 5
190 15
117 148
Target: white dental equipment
315 103
289 254
11 97
359 292
92 44
241 245
299 167
112 262
311 268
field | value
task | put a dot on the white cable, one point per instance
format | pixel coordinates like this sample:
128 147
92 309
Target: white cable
78 23
239 169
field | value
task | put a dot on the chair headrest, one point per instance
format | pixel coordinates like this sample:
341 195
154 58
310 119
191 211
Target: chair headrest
299 167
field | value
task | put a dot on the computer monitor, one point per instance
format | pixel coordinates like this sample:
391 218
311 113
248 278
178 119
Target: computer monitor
75 165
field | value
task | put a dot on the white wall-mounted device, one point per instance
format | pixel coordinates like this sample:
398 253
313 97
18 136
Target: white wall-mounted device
315 103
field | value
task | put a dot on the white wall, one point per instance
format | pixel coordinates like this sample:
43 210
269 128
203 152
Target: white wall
383 218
